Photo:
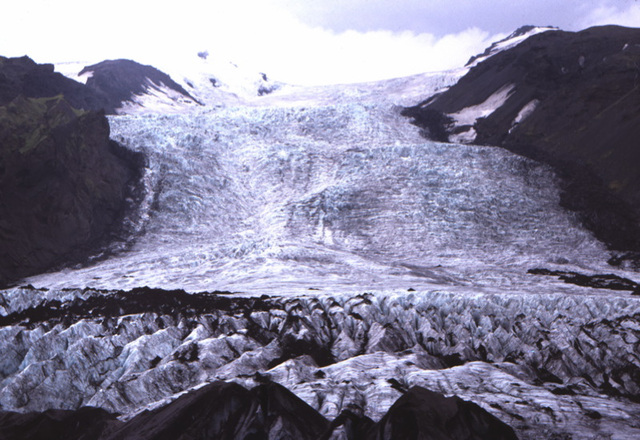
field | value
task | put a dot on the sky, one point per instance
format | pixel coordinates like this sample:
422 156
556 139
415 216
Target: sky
295 41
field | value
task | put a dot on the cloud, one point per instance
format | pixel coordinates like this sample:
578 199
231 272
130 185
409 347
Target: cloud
260 34
623 15
316 55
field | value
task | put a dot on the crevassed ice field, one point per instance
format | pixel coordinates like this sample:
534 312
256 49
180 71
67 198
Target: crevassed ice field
335 191
396 257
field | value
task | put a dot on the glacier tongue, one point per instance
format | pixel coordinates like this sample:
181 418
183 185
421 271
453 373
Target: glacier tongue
289 194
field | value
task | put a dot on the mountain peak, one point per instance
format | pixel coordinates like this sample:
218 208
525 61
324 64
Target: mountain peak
515 38
125 81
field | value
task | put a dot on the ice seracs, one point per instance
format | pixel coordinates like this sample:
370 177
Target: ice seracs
546 364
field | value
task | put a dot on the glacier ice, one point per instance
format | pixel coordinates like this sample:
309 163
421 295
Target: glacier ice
540 362
364 259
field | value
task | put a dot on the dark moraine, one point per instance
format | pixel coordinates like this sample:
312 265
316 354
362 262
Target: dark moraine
227 411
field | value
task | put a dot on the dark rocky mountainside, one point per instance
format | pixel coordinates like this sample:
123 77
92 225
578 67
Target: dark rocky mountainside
424 414
24 77
112 83
572 101
63 184
227 411
120 81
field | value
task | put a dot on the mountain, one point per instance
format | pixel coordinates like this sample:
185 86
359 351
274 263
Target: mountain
128 87
333 271
64 185
126 83
110 86
568 99
24 77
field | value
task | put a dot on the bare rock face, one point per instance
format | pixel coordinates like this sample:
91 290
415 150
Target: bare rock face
567 99
63 184
83 424
228 411
24 77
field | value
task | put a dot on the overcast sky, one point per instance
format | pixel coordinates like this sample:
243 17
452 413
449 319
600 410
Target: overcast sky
297 41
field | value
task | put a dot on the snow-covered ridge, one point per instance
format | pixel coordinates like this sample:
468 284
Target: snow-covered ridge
517 37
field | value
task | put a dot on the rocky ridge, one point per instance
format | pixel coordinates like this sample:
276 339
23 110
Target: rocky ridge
24 77
224 410
515 38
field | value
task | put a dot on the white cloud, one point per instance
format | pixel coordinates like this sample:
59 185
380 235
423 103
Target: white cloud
315 55
257 33
627 15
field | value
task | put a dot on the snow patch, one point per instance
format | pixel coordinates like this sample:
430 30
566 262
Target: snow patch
469 115
465 137
524 113
157 99
72 70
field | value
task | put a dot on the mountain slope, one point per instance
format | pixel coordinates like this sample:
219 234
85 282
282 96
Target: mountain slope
124 82
568 99
128 87
24 77
63 184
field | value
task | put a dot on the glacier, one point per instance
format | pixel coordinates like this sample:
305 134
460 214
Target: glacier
364 260
292 195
